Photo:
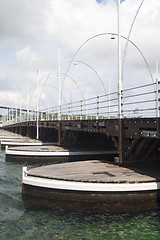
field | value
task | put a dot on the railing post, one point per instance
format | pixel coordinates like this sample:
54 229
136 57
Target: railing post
81 110
27 129
97 114
60 113
157 105
109 99
120 135
59 132
52 113
48 114
69 110
37 124
20 114
16 115
12 114
40 115
157 99
9 115
32 116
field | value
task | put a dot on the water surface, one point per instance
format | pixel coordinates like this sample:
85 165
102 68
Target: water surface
21 220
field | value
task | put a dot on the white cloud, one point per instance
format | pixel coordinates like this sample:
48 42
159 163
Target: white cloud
34 29
26 54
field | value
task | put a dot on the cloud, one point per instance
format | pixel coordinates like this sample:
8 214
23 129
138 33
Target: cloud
21 21
26 54
31 32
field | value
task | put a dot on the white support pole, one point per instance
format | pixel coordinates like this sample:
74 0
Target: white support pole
109 98
157 98
157 89
28 100
86 102
16 114
20 112
97 103
48 114
12 114
70 101
59 78
81 113
37 110
119 66
69 108
9 116
119 86
52 113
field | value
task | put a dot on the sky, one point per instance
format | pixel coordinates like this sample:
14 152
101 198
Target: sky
33 31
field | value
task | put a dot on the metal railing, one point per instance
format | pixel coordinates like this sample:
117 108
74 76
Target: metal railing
137 102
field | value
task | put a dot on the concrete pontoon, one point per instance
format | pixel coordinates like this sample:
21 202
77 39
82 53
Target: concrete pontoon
54 154
93 184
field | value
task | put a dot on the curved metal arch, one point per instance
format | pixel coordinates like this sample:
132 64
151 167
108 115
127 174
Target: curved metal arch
43 85
75 83
102 34
126 45
95 73
41 93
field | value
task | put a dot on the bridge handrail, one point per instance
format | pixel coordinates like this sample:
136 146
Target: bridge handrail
145 101
138 94
138 101
142 86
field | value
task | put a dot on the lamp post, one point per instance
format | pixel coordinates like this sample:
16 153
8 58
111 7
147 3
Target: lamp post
20 110
109 99
119 64
119 84
28 101
59 81
157 96
59 97
37 110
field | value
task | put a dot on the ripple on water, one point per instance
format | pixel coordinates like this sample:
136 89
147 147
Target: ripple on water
11 206
20 220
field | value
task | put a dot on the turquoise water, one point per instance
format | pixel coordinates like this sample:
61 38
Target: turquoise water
20 220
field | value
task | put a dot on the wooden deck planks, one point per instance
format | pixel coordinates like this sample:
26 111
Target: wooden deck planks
14 137
52 148
38 148
95 171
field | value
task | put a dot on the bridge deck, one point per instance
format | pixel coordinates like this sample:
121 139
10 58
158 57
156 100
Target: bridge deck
96 171
132 127
135 139
54 148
